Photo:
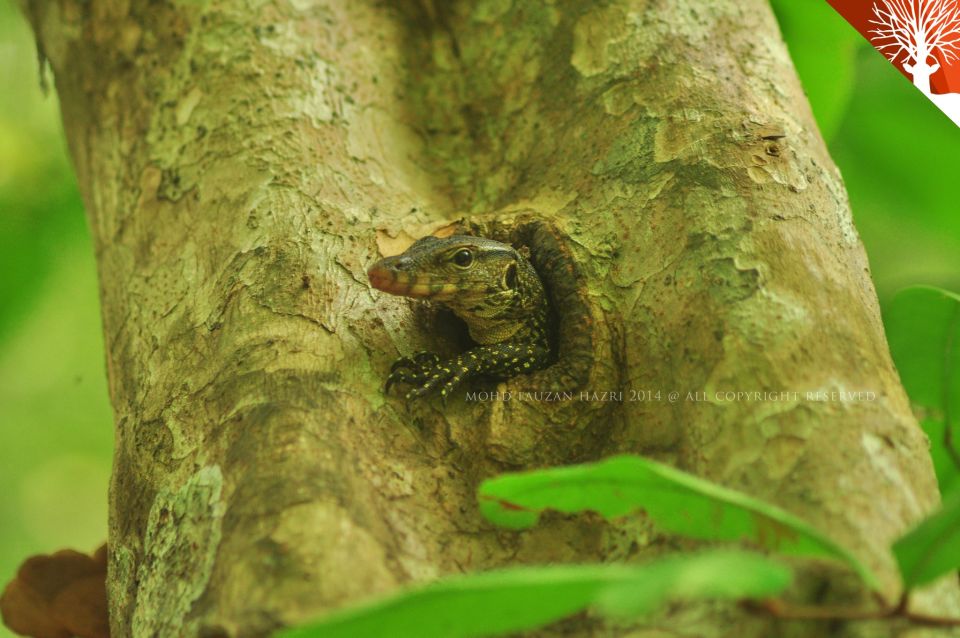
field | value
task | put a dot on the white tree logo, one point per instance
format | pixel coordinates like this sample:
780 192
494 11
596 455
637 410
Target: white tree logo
916 33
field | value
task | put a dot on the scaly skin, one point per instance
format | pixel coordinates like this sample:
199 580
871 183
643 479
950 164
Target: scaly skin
489 285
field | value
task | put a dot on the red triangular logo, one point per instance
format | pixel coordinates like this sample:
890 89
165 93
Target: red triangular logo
920 37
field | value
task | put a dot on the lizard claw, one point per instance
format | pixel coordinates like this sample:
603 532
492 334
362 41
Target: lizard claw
425 372
419 360
422 370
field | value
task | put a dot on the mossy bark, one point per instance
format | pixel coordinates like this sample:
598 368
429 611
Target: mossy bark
243 163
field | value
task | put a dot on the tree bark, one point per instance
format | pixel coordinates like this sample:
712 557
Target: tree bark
243 163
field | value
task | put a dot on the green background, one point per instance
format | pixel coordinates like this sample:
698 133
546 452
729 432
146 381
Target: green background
898 154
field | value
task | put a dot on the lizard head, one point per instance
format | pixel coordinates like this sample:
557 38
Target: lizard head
474 276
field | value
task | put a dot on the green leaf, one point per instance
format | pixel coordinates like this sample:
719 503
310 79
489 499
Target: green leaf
948 474
932 548
497 602
677 502
717 574
923 329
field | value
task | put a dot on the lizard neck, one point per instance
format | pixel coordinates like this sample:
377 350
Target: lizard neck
492 330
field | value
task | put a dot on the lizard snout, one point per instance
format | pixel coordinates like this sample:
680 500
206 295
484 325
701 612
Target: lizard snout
391 275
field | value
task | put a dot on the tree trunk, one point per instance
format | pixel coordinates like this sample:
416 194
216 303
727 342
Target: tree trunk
243 163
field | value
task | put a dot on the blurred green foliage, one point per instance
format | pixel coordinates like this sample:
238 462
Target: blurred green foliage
674 501
55 423
923 330
897 152
503 602
931 550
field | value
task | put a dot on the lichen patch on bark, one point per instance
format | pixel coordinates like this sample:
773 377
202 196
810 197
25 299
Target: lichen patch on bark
179 548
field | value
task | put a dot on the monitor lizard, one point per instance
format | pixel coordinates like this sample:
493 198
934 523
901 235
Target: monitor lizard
488 284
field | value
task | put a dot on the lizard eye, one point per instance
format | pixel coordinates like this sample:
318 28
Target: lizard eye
510 277
463 258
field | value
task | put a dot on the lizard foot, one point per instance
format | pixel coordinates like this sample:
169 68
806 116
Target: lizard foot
415 370
425 372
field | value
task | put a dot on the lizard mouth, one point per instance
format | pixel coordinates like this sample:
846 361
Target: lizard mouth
397 282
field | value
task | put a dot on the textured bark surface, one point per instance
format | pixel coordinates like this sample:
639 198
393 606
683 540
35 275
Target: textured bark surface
244 162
